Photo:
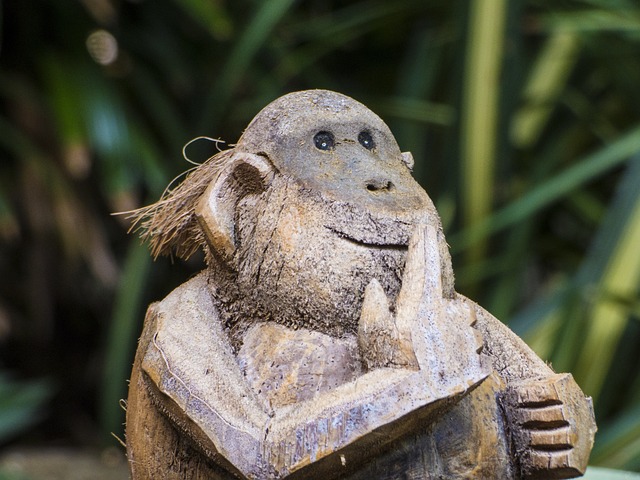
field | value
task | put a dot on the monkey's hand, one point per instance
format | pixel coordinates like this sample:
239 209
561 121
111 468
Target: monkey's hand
427 331
380 340
552 426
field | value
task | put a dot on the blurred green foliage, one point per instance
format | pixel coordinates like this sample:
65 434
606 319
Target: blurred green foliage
522 117
18 404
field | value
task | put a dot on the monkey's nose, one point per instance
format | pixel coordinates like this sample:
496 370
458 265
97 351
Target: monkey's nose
377 185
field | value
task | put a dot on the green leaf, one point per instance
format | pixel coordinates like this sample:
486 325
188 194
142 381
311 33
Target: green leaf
620 279
597 473
265 19
479 114
618 442
20 404
210 14
546 81
552 189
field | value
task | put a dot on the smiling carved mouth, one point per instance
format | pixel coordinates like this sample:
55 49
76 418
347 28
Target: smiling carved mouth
369 229
369 242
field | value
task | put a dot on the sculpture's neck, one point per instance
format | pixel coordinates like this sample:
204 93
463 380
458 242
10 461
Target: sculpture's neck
234 311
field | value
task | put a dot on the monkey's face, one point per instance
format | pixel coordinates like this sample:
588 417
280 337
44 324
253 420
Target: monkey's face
336 208
340 149
297 267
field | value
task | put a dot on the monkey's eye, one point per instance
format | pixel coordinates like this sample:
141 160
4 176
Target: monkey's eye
324 140
366 140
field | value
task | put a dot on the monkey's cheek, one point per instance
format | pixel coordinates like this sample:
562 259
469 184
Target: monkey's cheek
290 235
356 266
308 288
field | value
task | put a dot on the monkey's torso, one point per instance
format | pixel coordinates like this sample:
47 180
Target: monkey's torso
452 444
460 439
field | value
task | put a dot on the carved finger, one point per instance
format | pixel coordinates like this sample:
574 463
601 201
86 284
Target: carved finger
413 279
422 279
373 327
379 341
432 266
540 417
442 336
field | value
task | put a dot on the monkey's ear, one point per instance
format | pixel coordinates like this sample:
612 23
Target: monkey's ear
242 175
407 158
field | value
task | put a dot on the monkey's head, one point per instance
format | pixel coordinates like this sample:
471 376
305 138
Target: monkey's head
314 201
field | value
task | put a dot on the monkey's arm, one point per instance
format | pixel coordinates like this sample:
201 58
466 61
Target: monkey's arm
551 422
510 356
192 378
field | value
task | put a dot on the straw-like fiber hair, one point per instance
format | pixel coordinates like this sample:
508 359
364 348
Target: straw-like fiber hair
170 225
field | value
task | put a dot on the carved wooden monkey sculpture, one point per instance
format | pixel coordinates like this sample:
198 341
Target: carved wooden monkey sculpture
325 338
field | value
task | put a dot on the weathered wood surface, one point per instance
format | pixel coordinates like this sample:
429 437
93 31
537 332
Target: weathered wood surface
325 339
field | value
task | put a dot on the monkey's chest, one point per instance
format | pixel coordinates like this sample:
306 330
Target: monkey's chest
285 366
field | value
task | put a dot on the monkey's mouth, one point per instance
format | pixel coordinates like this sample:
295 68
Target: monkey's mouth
372 241
369 229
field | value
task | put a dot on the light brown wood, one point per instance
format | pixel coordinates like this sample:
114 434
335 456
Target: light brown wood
325 339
